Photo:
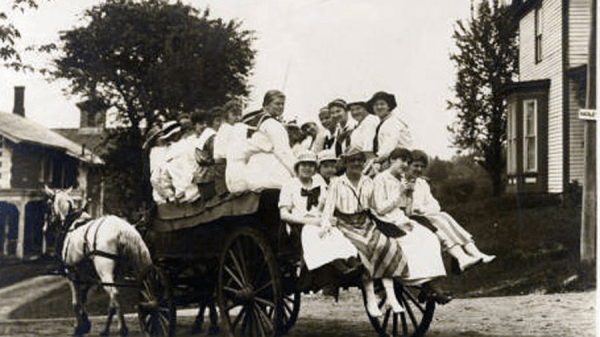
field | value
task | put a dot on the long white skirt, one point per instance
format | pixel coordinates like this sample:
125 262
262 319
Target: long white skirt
264 170
320 251
423 253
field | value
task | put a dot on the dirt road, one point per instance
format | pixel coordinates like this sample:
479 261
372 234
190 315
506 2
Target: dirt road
557 315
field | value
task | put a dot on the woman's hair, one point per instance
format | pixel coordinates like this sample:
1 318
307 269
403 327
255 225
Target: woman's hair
401 153
271 95
233 105
418 155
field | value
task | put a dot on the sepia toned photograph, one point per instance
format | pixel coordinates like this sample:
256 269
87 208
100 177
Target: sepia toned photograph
298 168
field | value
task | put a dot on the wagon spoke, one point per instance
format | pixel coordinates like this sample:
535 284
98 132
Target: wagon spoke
233 276
237 265
263 287
409 310
242 259
238 318
264 301
413 299
262 320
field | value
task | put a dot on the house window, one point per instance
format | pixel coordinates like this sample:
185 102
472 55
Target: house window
530 135
511 155
539 18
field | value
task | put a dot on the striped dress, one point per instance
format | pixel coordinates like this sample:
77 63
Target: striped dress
451 233
381 256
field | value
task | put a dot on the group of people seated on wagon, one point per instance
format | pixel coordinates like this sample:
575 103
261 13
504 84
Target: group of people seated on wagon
354 186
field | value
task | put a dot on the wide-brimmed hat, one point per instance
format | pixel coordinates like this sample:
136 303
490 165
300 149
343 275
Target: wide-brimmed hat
390 99
153 133
170 129
326 155
305 157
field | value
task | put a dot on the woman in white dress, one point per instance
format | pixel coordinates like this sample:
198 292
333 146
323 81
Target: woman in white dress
300 202
421 247
273 164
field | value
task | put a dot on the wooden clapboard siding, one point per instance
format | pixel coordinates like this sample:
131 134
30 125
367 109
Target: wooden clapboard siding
551 68
576 127
579 31
5 159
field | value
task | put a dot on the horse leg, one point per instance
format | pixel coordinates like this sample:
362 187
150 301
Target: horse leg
199 321
79 294
214 318
105 268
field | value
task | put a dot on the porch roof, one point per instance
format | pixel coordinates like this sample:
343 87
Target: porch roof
19 129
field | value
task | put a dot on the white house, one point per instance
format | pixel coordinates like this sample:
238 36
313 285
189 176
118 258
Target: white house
544 133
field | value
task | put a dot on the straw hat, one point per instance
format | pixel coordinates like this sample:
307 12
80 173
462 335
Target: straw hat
305 157
326 155
170 129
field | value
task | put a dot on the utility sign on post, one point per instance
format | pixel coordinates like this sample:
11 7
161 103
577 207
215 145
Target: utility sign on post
588 114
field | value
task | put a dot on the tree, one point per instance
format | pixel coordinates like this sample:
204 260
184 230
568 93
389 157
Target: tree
9 34
149 61
486 60
152 59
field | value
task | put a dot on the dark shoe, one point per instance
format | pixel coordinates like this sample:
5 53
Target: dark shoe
431 291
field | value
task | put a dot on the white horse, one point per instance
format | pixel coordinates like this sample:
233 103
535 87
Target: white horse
92 249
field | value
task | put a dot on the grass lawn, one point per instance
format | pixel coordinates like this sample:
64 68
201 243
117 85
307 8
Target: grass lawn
537 249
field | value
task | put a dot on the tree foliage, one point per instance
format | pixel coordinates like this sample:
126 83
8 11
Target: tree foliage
148 61
152 60
486 60
10 34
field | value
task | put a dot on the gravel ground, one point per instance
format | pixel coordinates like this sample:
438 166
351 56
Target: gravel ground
556 315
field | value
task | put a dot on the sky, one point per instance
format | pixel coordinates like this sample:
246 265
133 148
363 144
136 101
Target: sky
313 50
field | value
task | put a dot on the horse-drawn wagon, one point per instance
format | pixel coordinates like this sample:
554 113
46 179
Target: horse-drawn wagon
236 252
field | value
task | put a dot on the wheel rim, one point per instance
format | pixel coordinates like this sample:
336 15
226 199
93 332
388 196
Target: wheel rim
415 319
249 287
290 310
156 311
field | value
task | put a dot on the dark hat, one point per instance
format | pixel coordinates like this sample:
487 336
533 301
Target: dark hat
338 102
352 151
390 99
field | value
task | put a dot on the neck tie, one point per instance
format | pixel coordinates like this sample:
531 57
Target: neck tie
376 139
312 197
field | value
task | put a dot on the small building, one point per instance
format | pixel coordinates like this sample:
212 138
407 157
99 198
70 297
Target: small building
544 134
32 156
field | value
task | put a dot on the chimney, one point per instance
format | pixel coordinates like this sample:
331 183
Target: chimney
19 108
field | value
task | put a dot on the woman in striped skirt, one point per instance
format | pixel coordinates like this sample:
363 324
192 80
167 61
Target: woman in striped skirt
348 200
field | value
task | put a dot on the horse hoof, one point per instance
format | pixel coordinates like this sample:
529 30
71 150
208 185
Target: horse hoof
82 329
213 330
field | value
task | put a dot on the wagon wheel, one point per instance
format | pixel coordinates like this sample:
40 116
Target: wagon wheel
415 319
156 310
291 309
249 286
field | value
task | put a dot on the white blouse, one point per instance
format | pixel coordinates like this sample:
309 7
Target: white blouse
393 133
290 197
423 200
344 197
364 133
386 190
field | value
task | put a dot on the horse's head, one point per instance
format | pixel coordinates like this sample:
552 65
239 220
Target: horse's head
59 205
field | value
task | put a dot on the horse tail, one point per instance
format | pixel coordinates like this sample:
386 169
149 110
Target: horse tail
134 248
